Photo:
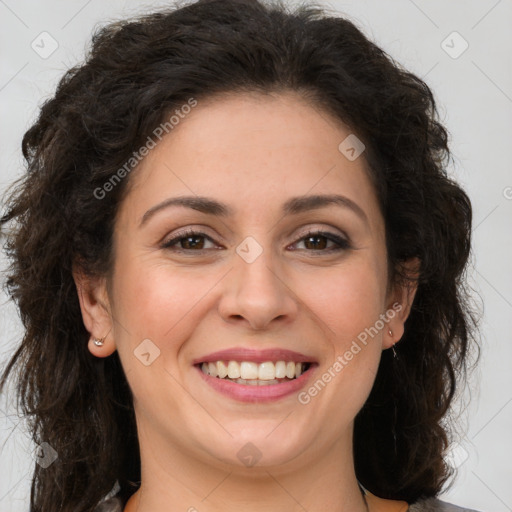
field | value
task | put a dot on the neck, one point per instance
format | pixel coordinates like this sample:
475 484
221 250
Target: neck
173 480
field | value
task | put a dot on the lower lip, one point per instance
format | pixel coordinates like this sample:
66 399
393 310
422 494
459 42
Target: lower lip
248 393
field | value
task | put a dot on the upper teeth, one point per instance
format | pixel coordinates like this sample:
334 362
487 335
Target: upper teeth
249 370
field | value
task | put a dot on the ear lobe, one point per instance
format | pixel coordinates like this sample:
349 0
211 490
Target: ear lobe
95 308
400 302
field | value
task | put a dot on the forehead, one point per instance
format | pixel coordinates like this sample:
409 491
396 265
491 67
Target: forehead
248 150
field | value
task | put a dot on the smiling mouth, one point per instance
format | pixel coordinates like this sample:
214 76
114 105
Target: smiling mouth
255 374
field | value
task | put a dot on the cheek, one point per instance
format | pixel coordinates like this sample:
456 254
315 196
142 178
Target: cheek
348 300
159 302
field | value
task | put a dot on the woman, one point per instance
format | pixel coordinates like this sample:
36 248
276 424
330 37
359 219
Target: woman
238 259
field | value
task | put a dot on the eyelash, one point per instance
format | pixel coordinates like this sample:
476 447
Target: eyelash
342 243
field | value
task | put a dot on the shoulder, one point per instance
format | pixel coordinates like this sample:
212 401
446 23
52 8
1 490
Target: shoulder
113 504
436 505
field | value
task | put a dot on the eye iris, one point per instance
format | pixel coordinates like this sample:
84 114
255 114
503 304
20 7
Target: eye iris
186 239
316 237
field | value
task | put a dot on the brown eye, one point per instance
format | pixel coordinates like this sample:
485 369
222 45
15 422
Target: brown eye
317 241
188 241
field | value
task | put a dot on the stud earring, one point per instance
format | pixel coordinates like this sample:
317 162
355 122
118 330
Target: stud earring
99 343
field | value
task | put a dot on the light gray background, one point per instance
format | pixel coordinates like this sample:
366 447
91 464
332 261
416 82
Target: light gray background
474 94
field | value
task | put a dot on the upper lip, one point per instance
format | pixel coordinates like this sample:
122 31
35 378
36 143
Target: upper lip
255 356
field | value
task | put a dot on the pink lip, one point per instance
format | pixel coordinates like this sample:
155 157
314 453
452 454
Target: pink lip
255 356
248 393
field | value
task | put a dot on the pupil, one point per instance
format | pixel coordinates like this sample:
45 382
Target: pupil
316 238
188 238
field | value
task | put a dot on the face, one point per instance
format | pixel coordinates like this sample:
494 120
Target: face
267 273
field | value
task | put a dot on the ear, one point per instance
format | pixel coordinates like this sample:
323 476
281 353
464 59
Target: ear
95 307
399 303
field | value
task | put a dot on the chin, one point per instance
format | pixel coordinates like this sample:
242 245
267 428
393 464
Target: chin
255 445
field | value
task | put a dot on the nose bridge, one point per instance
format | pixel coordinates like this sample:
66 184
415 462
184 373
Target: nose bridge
256 290
255 263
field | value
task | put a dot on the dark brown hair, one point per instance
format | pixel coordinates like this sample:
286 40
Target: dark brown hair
137 73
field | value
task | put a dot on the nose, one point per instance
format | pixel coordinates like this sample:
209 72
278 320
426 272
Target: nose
258 293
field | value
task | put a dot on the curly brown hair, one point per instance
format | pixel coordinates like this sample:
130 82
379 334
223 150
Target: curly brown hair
136 73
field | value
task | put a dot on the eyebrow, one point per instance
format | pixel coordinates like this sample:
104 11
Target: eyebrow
292 206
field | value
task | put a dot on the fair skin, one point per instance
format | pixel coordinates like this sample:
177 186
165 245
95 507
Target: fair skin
252 153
